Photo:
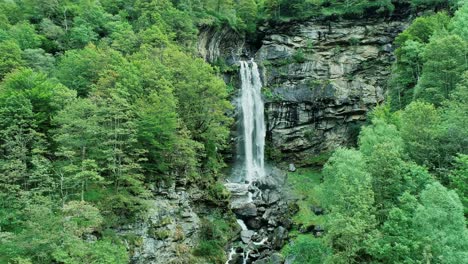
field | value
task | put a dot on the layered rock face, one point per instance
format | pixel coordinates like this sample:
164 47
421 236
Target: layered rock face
321 79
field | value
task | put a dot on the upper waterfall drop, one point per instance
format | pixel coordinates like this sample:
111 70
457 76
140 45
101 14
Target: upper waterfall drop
253 121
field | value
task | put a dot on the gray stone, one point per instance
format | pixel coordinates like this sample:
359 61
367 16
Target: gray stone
292 168
246 236
272 197
246 210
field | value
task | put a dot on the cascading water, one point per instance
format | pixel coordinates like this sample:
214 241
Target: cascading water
252 163
253 122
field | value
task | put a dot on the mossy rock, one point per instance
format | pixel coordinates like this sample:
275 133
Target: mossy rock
159 234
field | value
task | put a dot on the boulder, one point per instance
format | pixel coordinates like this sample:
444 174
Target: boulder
246 210
254 223
246 236
266 183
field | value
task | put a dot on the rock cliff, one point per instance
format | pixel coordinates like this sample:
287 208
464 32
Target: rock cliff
321 78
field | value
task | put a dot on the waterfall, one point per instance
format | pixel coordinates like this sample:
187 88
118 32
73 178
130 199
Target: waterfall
253 125
251 165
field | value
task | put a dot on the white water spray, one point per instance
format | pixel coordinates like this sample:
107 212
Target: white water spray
253 121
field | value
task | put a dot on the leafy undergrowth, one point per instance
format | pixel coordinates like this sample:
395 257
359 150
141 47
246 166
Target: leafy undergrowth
305 248
304 184
216 230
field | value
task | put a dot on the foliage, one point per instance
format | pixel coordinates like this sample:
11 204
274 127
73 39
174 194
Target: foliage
214 234
101 102
458 178
348 197
307 250
445 62
409 65
299 56
440 225
304 184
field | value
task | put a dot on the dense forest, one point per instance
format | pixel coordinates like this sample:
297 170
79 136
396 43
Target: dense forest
102 102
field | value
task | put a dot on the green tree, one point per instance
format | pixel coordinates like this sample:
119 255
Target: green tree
458 178
10 53
459 20
408 67
78 137
396 241
445 62
38 60
419 130
22 150
25 35
47 96
306 249
454 123
348 198
247 11
200 92
440 225
79 69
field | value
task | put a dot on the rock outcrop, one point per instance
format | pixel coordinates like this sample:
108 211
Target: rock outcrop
167 234
220 43
321 79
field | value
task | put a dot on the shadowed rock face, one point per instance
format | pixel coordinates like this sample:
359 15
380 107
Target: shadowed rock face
322 78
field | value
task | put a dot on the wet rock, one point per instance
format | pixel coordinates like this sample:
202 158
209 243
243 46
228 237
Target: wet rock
237 259
317 210
266 183
272 197
215 43
237 189
246 236
306 229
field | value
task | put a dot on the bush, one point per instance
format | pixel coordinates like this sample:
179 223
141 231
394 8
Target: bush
299 56
211 250
307 249
218 193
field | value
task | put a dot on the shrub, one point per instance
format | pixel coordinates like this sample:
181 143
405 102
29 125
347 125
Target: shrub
299 56
307 249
